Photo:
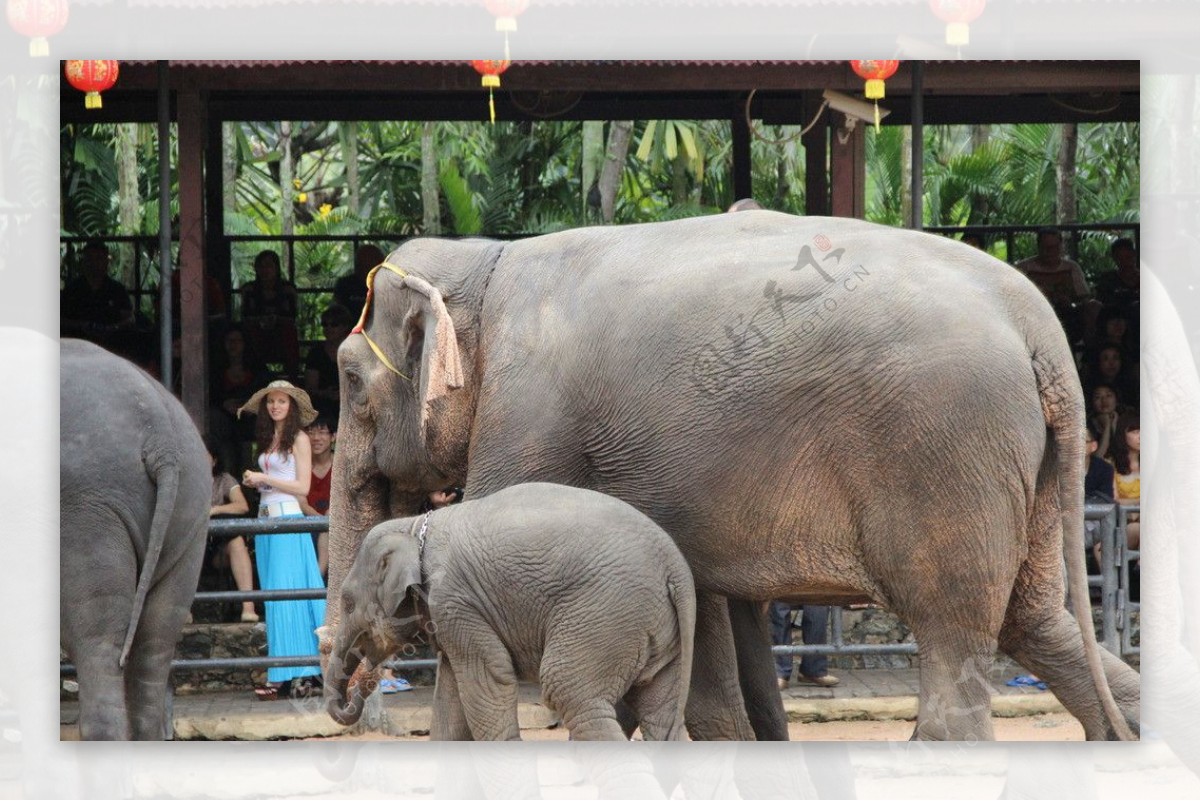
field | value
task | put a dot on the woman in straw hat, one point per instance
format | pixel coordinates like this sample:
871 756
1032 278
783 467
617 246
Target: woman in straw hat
285 561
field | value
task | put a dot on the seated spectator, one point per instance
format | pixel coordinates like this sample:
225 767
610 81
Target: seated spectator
1115 327
236 373
269 306
1106 410
350 291
320 367
1127 461
1121 287
232 554
975 240
1108 366
1062 282
322 434
814 625
95 306
1098 487
214 300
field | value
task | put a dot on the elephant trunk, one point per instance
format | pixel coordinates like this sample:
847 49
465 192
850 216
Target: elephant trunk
355 507
345 681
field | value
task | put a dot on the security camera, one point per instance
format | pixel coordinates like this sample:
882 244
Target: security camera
854 109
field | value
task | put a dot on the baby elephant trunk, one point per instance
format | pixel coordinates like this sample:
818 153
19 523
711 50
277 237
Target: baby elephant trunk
347 685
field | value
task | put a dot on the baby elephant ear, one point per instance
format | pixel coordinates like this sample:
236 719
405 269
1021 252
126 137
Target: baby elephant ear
396 573
441 370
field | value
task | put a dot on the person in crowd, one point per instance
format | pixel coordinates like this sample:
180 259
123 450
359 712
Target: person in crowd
236 371
95 306
814 624
975 240
1127 461
1114 326
1121 287
269 306
286 561
1108 366
1098 487
322 433
1106 410
1060 279
1063 283
350 291
228 500
744 204
389 683
320 368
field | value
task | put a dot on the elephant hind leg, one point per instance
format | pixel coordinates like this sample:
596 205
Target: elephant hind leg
1052 648
657 704
715 708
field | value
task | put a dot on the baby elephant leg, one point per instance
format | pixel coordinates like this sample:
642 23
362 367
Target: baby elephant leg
449 719
484 678
658 704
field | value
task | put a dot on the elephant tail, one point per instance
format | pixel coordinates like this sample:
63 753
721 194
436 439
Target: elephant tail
164 469
1062 404
683 595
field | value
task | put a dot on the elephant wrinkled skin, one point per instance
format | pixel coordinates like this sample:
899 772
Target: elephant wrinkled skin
817 409
135 491
564 586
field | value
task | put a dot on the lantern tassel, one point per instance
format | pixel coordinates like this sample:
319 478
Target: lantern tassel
492 105
507 55
39 47
92 100
876 117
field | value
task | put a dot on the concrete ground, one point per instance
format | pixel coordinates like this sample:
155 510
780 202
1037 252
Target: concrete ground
861 695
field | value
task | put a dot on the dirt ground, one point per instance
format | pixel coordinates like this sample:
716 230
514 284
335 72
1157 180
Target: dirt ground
1057 727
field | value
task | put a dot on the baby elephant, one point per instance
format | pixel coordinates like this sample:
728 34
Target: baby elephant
568 587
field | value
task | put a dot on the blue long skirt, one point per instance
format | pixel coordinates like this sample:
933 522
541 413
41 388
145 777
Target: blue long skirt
289 562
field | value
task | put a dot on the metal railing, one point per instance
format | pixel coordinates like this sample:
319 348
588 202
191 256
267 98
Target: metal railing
1116 605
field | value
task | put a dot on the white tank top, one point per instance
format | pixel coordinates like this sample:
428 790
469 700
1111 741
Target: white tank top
277 466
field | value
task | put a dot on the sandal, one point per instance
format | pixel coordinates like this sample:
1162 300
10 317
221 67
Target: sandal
268 692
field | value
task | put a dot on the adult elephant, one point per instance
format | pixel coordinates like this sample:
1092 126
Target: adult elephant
816 409
135 491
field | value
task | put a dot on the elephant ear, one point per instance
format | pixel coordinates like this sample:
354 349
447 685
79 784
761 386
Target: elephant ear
396 572
433 343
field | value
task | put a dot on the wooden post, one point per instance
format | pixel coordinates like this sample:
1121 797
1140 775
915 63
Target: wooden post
193 300
742 187
816 161
848 170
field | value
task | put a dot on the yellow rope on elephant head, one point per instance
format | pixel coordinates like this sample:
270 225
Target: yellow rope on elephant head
361 328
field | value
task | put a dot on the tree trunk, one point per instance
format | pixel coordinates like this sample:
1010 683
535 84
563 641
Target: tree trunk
614 164
430 202
1065 174
129 202
350 154
592 161
287 214
679 183
981 206
229 148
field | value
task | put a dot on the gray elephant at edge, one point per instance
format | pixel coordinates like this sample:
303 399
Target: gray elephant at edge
567 587
815 409
135 491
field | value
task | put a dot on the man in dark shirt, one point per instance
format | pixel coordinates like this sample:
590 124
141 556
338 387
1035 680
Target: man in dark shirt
351 290
93 304
1122 286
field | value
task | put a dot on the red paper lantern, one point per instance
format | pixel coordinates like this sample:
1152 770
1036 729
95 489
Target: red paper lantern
491 70
38 19
506 12
957 14
92 77
875 73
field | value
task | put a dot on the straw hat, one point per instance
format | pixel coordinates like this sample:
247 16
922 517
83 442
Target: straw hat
303 403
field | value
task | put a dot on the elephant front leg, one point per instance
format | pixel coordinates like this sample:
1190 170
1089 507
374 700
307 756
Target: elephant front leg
483 676
715 710
955 701
449 720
